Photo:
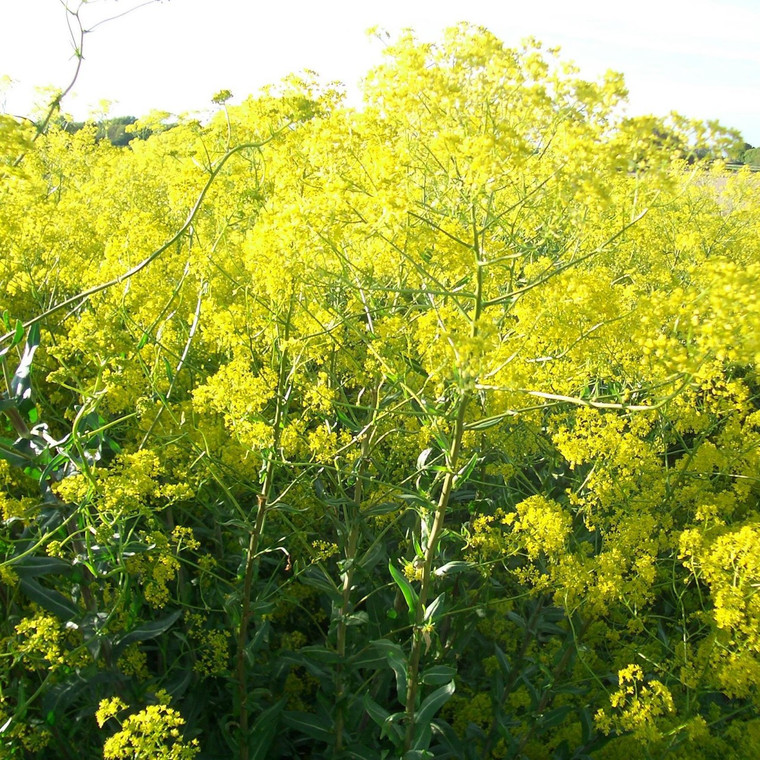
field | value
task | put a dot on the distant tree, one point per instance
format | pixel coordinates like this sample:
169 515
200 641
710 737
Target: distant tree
752 156
690 140
115 130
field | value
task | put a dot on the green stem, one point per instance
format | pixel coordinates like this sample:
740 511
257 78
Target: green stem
340 690
431 549
264 501
427 573
348 578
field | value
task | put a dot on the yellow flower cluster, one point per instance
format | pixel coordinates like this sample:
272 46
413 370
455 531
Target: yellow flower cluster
211 647
637 706
134 662
153 732
158 565
43 642
728 561
542 527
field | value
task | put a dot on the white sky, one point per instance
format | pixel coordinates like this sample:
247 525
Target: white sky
698 57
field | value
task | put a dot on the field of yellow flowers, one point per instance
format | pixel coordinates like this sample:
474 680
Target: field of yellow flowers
426 429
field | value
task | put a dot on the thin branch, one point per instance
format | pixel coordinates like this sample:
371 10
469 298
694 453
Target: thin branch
573 262
120 15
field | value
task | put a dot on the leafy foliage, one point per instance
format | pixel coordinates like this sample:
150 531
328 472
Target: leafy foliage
424 429
752 156
118 130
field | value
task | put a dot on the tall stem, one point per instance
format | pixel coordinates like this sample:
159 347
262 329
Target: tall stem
426 581
452 460
264 500
348 579
340 690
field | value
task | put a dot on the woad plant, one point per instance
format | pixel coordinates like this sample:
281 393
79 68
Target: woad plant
424 429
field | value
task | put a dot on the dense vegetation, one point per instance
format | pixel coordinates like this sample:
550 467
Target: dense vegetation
751 156
118 130
428 429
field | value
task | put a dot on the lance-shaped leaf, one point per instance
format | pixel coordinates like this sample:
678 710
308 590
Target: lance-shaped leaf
21 382
410 595
264 730
49 599
31 566
147 631
433 703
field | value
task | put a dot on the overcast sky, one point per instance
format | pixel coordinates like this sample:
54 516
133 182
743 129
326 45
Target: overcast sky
698 57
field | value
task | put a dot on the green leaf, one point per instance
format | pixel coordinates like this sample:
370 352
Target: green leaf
438 674
465 472
587 726
423 457
308 724
147 631
387 722
33 339
395 657
179 683
264 730
410 595
378 714
32 567
260 638
485 423
554 717
374 554
433 703
360 752
357 618
504 663
457 566
317 578
55 464
533 692
321 654
347 421
435 608
448 740
14 454
381 509
423 733
418 754
49 599
367 658
21 382
281 506
18 333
